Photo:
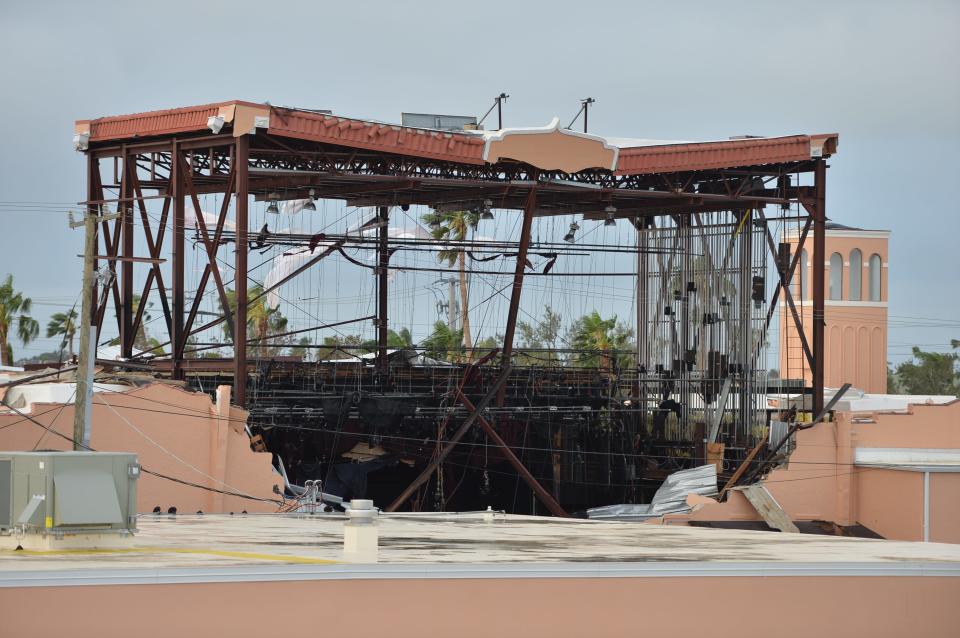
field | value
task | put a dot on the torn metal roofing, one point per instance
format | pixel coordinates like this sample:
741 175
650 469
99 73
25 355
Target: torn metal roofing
549 148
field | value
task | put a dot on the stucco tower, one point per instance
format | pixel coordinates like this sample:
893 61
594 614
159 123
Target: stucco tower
855 314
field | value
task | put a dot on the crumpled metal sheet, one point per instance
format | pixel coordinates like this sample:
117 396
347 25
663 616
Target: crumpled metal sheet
670 498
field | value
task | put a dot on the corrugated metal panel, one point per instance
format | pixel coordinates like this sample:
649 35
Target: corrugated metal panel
712 155
191 118
388 138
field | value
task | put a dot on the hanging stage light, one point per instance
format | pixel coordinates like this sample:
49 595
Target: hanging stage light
310 205
486 214
610 221
435 221
272 208
570 236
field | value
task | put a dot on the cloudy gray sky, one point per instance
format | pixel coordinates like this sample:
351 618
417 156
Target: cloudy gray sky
883 75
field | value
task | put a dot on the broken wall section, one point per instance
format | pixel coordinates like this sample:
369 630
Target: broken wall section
174 432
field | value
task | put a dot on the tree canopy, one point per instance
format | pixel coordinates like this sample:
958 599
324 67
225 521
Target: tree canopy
930 373
15 311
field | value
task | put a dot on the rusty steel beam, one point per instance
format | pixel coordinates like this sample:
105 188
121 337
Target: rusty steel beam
514 307
211 247
545 497
784 285
178 253
242 163
154 246
801 242
383 264
451 443
207 270
819 255
94 191
127 337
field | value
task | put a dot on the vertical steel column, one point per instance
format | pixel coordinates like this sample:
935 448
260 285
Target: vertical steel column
819 255
242 158
383 262
746 314
94 193
514 308
177 336
126 267
686 299
643 310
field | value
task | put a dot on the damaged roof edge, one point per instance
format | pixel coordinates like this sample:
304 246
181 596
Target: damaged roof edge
466 147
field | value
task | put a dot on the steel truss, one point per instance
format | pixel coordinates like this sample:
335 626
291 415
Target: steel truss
180 169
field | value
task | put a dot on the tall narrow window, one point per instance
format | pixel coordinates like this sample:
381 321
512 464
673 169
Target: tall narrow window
836 276
804 267
874 273
856 274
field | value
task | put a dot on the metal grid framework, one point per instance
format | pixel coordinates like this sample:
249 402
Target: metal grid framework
703 242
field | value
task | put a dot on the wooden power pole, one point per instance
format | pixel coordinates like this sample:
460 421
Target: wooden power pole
88 331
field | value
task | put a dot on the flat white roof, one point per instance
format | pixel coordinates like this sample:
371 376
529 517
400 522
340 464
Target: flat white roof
290 547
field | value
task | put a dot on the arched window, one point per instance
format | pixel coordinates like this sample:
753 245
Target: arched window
804 267
856 274
874 273
836 276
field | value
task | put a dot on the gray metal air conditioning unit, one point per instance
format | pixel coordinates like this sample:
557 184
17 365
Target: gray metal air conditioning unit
78 499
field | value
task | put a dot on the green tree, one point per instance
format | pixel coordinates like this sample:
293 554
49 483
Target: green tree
443 343
63 324
597 339
893 386
454 226
15 311
333 347
930 373
402 339
262 322
542 335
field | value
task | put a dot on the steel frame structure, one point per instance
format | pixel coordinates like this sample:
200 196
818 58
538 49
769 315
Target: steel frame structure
182 168
179 167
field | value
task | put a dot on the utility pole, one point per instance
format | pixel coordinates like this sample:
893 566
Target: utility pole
83 414
452 309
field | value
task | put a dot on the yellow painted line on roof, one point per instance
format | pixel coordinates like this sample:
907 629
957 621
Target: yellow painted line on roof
300 560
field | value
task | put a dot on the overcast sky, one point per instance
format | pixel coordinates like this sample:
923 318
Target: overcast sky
883 75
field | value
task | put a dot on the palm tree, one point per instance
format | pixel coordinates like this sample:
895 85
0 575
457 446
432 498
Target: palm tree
63 323
262 320
454 226
443 343
596 337
14 309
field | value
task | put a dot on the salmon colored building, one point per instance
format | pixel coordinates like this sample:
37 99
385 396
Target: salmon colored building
895 472
855 281
176 433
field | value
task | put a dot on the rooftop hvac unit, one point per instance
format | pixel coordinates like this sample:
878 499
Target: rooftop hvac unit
72 499
439 122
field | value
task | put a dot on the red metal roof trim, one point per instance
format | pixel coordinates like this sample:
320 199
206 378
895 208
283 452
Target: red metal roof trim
712 155
390 138
182 120
458 147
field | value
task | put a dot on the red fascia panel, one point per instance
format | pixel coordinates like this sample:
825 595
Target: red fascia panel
385 138
151 123
712 155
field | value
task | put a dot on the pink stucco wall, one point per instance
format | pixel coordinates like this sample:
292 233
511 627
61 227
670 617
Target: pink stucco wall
795 606
855 339
174 432
820 481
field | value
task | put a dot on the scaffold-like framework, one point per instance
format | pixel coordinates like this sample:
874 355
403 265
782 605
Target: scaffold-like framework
709 272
